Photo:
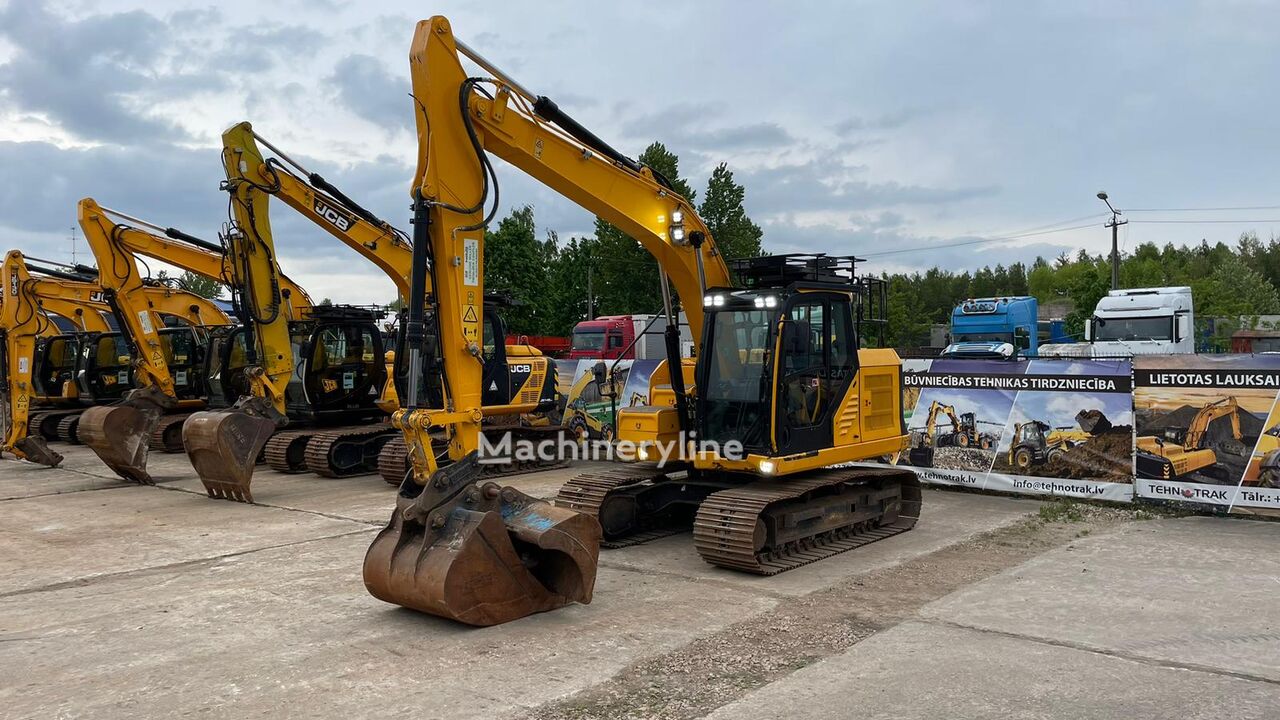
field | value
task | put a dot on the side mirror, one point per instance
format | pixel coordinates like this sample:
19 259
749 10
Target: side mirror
1088 330
598 372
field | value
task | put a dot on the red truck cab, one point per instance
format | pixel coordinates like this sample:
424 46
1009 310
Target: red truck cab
603 338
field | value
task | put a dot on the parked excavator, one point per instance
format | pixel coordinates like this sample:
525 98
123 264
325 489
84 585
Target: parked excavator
168 365
65 372
1263 469
1182 452
483 554
519 381
323 373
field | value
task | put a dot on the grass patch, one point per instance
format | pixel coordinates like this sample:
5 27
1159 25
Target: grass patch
1062 511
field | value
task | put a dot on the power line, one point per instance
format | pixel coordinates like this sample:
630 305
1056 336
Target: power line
1202 222
1206 209
978 241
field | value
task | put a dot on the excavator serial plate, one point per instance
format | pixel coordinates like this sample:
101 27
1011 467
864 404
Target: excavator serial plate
479 553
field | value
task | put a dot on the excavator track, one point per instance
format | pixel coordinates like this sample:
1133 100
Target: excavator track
770 526
588 493
344 452
67 427
44 423
286 450
167 437
393 461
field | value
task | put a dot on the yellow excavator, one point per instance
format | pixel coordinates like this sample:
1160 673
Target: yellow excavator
518 379
64 369
782 390
169 365
1182 452
323 373
964 433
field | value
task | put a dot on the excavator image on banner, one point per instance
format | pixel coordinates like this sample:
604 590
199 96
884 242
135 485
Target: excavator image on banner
1182 452
964 433
780 373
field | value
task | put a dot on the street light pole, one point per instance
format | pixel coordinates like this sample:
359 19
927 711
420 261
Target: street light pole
1114 223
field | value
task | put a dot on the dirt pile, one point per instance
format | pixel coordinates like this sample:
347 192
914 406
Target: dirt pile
1101 457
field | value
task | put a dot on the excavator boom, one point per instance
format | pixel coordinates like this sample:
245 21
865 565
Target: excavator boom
122 434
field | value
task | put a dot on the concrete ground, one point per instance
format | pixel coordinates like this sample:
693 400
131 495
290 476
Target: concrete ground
125 601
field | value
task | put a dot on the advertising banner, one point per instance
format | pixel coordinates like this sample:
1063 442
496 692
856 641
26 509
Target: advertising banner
1038 427
1206 430
589 400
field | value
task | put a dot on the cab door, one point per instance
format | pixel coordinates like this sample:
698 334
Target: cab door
497 376
817 362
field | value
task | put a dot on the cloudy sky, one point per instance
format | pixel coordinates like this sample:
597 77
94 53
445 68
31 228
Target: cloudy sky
891 130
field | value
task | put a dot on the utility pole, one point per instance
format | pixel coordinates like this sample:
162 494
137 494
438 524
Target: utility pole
590 298
73 244
1114 223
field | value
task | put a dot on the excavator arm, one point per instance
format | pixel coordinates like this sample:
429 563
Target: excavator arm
1226 407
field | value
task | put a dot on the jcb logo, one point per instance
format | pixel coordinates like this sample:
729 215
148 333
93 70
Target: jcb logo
13 285
96 296
521 368
333 215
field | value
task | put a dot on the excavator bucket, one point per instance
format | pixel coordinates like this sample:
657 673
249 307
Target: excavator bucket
479 553
1093 422
36 450
223 446
118 433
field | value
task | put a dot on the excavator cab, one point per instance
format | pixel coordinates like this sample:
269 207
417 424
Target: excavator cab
342 370
106 372
56 362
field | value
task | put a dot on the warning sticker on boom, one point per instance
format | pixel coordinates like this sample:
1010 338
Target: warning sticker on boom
144 317
470 261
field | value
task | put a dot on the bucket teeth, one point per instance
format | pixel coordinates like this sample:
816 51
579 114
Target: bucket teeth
223 446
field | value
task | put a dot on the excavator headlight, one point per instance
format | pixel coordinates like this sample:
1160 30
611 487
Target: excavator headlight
771 301
759 302
677 233
677 216
717 300
768 467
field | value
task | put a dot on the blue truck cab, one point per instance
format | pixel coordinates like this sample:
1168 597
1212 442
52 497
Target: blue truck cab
999 327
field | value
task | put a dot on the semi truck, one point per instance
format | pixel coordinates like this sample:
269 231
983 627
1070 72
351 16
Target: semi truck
996 327
631 337
1138 321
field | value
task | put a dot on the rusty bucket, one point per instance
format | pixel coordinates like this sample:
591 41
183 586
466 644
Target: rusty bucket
482 554
36 450
223 446
118 434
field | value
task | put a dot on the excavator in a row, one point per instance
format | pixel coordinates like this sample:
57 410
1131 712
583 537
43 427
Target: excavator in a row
52 376
781 390
519 379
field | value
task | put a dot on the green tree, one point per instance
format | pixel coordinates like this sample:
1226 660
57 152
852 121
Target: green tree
625 275
515 264
200 285
722 210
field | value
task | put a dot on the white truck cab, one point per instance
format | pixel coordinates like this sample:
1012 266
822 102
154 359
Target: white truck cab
1139 321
